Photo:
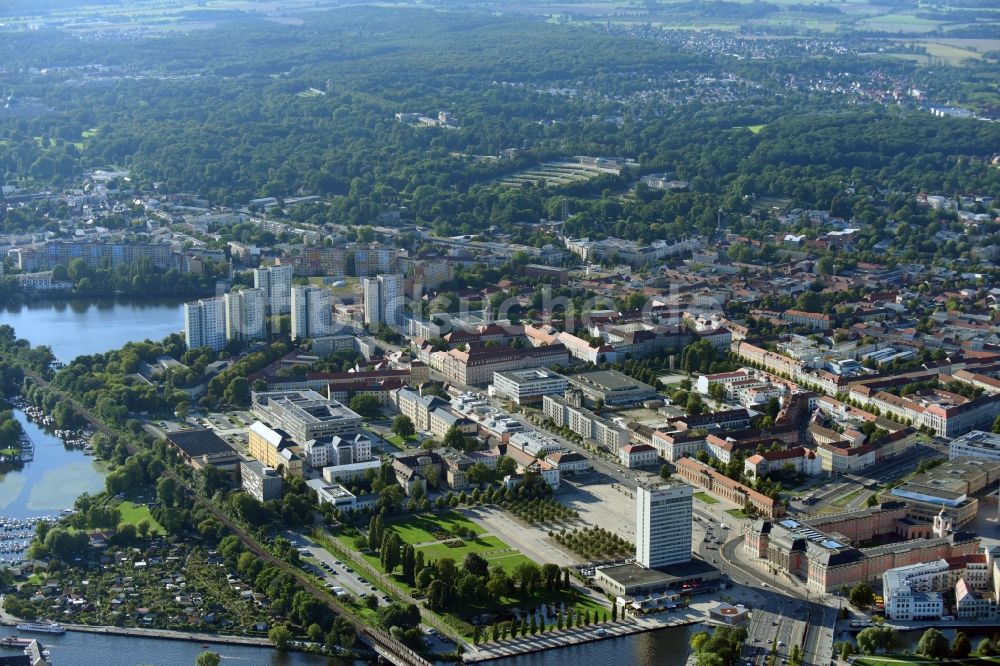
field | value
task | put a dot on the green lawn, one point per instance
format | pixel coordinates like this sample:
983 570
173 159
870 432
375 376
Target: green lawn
426 526
401 443
133 514
736 513
910 659
462 547
706 498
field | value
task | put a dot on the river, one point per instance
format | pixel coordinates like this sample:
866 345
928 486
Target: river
52 481
75 327
666 647
85 649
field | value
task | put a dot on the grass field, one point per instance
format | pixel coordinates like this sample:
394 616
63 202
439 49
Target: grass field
754 129
133 514
706 498
422 528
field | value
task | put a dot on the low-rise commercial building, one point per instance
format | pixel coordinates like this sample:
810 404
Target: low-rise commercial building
350 471
949 489
305 415
976 444
528 385
611 388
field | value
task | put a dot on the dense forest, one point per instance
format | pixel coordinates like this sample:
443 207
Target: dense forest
252 108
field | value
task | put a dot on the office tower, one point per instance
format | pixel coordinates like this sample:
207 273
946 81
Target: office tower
312 312
663 524
205 324
245 315
383 299
276 281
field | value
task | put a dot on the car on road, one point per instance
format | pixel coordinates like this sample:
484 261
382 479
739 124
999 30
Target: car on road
348 569
781 643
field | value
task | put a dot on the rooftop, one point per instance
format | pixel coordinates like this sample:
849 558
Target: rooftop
194 443
609 380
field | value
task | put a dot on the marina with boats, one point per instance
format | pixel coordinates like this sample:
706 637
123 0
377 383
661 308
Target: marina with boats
77 439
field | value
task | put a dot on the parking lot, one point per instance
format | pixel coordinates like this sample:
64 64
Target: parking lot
341 579
338 577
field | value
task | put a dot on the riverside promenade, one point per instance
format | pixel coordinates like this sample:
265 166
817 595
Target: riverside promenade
696 613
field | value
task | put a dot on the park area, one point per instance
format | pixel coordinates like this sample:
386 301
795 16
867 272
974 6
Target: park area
447 534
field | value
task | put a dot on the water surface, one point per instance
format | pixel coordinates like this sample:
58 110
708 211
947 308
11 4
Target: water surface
75 327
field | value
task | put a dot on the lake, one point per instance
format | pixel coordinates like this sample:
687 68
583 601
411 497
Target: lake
75 327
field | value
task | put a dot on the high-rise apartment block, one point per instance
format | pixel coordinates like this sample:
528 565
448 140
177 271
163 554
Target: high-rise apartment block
663 524
276 282
369 261
312 312
205 324
246 315
383 299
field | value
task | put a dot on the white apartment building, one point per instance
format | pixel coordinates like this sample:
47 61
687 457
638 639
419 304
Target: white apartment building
276 282
246 315
205 324
312 312
663 524
528 385
383 299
